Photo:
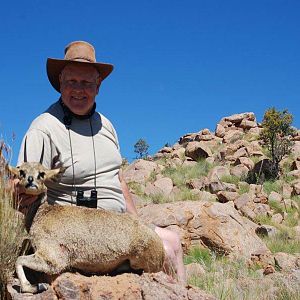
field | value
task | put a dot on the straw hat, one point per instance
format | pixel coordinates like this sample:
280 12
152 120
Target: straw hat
78 52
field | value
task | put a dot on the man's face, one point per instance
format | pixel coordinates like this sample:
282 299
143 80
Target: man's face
79 85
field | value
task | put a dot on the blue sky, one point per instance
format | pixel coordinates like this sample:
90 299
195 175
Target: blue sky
180 66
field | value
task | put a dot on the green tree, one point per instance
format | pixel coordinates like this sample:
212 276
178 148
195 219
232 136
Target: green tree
141 148
276 135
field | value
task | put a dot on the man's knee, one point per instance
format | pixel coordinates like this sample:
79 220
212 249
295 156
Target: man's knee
172 238
169 250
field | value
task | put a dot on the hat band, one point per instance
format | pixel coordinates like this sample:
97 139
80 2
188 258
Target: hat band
83 59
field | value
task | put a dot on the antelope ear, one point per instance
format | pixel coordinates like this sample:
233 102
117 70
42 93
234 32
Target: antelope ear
14 170
52 174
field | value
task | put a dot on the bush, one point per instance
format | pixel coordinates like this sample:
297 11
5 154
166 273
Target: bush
12 231
276 136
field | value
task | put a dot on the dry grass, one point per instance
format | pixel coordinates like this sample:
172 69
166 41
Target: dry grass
235 280
12 231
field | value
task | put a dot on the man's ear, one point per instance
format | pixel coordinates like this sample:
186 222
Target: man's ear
99 81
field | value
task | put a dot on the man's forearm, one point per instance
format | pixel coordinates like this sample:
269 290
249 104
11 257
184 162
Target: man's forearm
130 207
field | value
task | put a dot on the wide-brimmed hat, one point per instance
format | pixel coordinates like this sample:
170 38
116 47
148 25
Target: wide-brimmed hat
78 52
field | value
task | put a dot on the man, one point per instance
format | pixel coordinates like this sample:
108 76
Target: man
72 134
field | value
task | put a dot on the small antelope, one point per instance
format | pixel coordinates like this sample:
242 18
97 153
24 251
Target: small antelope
93 241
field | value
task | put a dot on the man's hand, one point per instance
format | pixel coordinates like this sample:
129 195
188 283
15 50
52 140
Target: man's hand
24 200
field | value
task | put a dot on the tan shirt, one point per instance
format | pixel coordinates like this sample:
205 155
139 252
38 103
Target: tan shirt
50 130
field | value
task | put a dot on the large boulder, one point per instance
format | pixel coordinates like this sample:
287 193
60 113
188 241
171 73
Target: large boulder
127 286
218 226
139 171
197 150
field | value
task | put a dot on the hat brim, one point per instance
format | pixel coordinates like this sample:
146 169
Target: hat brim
55 66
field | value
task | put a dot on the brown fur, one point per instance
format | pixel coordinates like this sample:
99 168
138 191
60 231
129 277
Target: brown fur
85 239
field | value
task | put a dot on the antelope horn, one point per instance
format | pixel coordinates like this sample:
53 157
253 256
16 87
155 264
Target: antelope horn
25 150
42 154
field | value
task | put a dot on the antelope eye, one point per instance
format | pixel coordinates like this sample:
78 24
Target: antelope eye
22 173
41 175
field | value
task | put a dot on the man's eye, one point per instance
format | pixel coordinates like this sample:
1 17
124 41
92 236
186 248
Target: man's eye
41 175
88 84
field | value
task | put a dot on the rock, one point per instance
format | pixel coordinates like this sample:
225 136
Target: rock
139 171
274 196
295 173
150 189
296 188
216 186
218 226
224 196
242 200
285 261
230 187
197 150
204 137
197 183
286 190
247 162
165 185
248 212
255 131
210 160
217 173
127 286
220 131
246 124
165 150
277 218
238 118
295 165
262 209
207 196
242 152
266 230
269 269
232 136
178 153
239 171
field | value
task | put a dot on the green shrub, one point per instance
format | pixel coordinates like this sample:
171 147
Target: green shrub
199 255
136 188
230 179
276 206
181 174
276 134
283 241
271 186
243 188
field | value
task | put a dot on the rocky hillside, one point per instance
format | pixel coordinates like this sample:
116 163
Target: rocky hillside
241 240
200 188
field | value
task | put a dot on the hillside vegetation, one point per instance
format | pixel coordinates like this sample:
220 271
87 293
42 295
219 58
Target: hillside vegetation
239 224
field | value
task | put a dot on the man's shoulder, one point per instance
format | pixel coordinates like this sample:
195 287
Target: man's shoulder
105 120
48 118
